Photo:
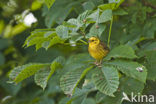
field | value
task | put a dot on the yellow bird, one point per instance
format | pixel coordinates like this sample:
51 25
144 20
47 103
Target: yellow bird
97 49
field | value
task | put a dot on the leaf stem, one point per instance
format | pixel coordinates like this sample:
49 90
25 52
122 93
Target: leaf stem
84 42
110 30
72 44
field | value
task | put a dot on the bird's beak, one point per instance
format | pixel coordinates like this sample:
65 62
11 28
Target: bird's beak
88 41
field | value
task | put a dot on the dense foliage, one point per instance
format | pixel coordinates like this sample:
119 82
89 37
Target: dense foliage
59 69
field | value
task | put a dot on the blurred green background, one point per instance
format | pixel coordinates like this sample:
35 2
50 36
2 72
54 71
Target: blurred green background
14 29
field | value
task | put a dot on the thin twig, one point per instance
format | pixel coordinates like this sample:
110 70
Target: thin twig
110 30
84 42
76 44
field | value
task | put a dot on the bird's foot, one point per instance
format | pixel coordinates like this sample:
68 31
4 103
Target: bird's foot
97 64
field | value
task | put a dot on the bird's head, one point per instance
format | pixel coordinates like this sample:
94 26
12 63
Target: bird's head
93 41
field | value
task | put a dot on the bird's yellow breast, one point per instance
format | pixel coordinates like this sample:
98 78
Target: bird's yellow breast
97 51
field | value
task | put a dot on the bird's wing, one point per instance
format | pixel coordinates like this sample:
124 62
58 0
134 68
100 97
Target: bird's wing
104 46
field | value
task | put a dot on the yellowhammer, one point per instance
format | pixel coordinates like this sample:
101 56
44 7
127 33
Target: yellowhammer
97 49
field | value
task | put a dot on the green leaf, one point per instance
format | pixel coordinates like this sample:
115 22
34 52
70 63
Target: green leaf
97 30
77 61
151 64
76 37
45 45
39 36
43 38
118 2
10 88
120 12
92 4
80 94
86 89
63 8
76 23
48 33
83 16
148 29
94 16
57 63
49 3
149 46
105 16
71 79
62 32
79 97
71 23
114 1
88 5
106 80
127 85
41 78
113 5
31 39
36 5
107 6
83 20
79 58
130 68
64 100
51 42
1 24
4 43
122 51
55 40
79 100
89 101
22 72
43 75
45 100
105 99
2 59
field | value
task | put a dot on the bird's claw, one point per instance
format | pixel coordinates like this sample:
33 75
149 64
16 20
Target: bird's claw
97 64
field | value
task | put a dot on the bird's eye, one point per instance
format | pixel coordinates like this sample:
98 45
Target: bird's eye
92 40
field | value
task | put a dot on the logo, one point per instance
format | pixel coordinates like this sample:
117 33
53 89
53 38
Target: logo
138 98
